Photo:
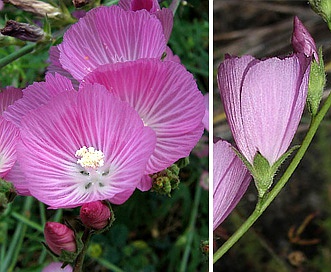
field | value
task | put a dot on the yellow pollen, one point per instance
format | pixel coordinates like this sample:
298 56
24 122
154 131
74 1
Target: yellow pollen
90 157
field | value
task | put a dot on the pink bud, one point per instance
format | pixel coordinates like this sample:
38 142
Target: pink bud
302 41
58 237
95 215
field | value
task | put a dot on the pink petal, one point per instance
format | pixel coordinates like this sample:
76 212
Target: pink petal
36 95
8 96
56 67
272 101
93 117
56 267
167 99
145 183
109 35
166 18
9 137
231 179
230 76
170 56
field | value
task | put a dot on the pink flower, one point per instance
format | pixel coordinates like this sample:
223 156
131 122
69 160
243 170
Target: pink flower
109 35
82 147
95 215
302 41
56 267
59 237
166 98
231 179
264 101
165 15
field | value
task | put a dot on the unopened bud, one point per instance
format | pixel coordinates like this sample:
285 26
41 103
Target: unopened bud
22 31
302 41
80 3
59 237
37 7
95 215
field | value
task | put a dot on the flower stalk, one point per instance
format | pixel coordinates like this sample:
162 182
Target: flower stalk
263 204
80 258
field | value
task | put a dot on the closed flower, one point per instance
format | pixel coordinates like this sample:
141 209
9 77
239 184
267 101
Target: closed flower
59 237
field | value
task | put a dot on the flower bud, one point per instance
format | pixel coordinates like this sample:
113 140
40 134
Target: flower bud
22 31
322 8
95 215
80 3
165 181
302 41
59 237
37 7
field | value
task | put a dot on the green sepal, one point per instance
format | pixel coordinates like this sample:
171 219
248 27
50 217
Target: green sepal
262 174
317 80
280 161
183 162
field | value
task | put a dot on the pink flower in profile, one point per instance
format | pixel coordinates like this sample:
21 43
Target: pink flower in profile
110 35
302 41
264 101
56 267
166 98
82 147
231 179
59 237
165 15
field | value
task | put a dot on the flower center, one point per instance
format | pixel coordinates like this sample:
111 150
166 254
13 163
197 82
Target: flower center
90 157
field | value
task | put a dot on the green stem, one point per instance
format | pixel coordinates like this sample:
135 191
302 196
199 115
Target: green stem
190 231
80 258
262 205
17 54
27 221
